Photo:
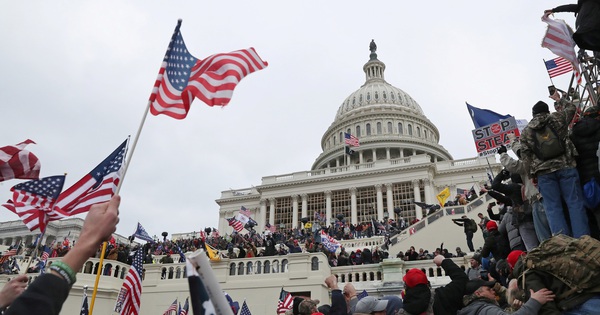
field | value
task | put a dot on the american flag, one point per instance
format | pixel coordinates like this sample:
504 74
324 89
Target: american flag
212 80
15 162
96 187
172 308
185 308
351 140
133 285
46 254
7 254
141 233
286 301
245 310
558 66
559 40
33 201
235 224
181 255
245 212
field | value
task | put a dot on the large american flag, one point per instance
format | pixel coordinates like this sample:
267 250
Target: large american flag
245 310
286 301
351 140
141 233
15 162
96 187
235 224
172 308
133 285
245 211
212 80
33 201
559 40
558 66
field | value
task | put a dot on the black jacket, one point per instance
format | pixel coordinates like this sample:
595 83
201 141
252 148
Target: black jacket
585 137
588 23
448 299
45 296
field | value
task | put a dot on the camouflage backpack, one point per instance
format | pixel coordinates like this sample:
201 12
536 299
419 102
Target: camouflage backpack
574 261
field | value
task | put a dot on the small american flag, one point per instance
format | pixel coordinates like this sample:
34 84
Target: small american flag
15 162
46 254
271 228
7 254
286 301
235 224
212 80
245 310
84 306
34 201
185 308
133 285
172 308
245 212
558 66
96 187
351 140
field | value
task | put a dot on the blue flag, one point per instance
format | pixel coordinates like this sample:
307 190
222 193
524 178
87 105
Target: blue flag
141 233
362 294
484 117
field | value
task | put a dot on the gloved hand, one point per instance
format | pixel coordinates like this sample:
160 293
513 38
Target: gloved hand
502 149
504 174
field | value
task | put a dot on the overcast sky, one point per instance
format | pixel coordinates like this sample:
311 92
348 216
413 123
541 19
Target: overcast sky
77 76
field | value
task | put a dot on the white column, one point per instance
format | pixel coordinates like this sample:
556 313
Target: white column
295 211
417 191
263 214
387 153
390 201
374 155
328 206
304 205
353 210
429 194
401 152
379 202
272 211
360 156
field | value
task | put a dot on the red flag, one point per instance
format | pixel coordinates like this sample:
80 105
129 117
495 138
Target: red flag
15 162
212 80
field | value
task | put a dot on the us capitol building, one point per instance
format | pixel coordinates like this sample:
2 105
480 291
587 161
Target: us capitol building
399 162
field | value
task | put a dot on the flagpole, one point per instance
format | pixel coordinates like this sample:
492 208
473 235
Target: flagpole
34 254
544 60
125 167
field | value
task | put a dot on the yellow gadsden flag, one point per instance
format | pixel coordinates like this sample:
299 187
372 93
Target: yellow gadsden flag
213 254
443 196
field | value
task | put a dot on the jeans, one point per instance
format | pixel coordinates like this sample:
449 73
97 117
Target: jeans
564 183
589 307
540 221
470 241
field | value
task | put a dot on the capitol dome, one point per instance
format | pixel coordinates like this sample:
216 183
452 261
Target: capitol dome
388 122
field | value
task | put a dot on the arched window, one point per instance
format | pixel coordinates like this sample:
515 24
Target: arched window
232 269
389 128
425 131
384 95
419 132
354 101
348 131
284 265
117 268
275 266
178 273
267 268
88 267
334 140
409 129
368 96
392 95
379 128
368 127
358 131
314 264
376 95
341 138
400 130
249 268
258 267
241 268
360 98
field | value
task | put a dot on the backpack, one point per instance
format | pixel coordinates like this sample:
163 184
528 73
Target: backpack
574 261
547 144
471 226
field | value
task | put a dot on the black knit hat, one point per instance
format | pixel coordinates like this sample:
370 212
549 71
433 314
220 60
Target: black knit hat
540 107
296 304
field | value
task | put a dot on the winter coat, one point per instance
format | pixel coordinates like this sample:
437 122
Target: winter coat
496 244
559 121
507 227
585 137
484 306
521 168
